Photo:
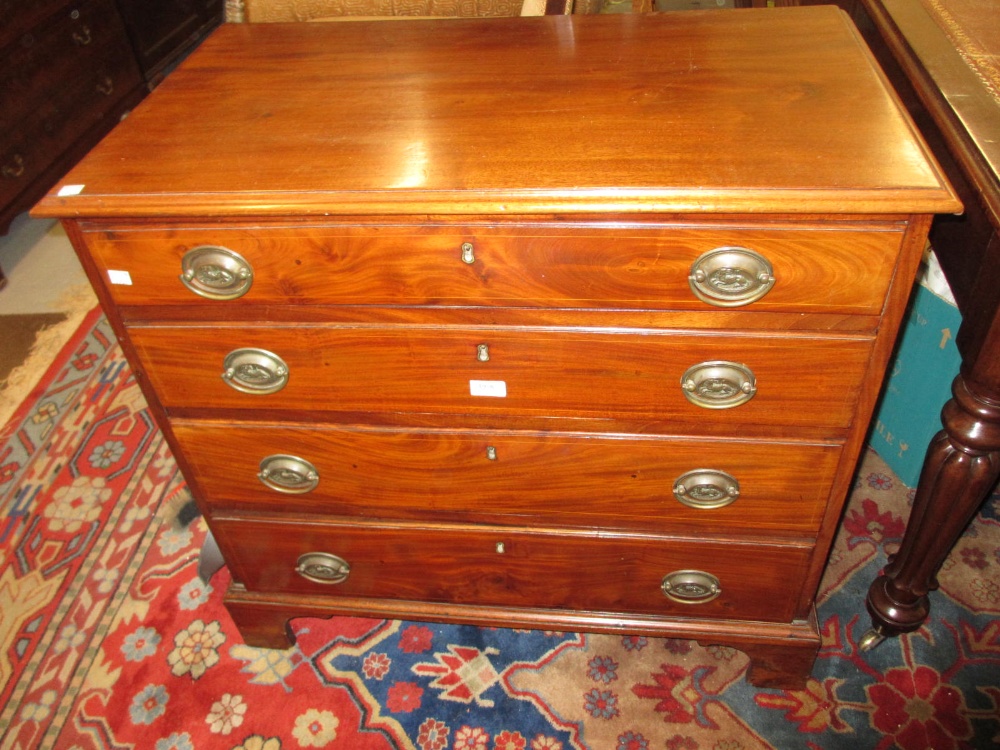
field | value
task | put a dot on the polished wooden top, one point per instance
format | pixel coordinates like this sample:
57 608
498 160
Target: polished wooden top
771 110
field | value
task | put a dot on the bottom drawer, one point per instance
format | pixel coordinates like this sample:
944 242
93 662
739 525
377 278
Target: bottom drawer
516 567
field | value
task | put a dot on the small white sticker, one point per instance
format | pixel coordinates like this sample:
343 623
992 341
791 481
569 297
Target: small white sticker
494 388
120 277
69 190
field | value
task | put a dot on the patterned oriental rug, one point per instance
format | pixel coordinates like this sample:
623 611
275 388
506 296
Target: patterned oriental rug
111 640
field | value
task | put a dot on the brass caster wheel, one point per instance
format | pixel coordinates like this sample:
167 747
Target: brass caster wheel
871 639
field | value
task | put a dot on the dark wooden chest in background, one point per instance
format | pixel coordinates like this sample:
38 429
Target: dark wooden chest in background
69 70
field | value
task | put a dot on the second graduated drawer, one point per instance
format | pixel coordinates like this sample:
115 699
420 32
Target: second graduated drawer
595 572
669 485
804 381
814 269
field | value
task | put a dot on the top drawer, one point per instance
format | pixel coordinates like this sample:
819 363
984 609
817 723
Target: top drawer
814 269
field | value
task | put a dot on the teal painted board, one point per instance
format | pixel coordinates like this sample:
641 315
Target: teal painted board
920 375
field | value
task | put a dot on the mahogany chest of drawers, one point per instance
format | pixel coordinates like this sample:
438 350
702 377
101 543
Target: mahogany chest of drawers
570 322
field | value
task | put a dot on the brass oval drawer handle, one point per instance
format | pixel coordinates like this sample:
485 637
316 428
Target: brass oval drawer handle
82 37
322 567
691 586
731 276
289 474
106 86
14 168
216 272
255 371
719 384
706 488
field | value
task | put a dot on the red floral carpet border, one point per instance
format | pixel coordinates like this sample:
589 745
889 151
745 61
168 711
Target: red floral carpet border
111 640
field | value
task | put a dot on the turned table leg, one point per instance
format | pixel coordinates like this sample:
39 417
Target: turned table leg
960 469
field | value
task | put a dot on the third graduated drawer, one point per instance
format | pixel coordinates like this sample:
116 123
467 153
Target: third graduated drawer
653 483
594 571
793 267
715 380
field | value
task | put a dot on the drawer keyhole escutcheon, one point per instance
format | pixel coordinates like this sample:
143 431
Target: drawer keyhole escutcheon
468 253
255 371
289 474
322 567
483 352
731 276
691 586
216 272
491 452
706 489
719 384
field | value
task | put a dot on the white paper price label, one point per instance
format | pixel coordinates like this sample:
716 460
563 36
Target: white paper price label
492 388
